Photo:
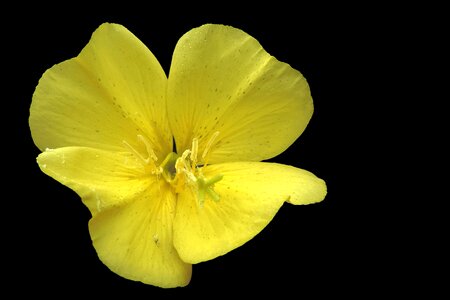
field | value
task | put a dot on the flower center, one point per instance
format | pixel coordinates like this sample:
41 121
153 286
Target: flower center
183 171
188 172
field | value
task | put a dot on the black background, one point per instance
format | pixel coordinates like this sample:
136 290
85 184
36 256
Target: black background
341 246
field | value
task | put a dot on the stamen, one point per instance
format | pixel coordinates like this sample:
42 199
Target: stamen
150 151
209 145
185 154
151 159
181 167
194 152
191 176
135 152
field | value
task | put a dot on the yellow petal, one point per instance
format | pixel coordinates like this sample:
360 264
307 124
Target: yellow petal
250 195
135 241
102 179
222 80
111 92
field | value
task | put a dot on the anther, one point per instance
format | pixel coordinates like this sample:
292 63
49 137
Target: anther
181 167
194 152
185 154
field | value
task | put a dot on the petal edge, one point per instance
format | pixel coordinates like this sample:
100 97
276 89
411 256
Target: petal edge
222 80
250 195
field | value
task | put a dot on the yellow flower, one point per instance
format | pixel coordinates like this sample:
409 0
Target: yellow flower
170 167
